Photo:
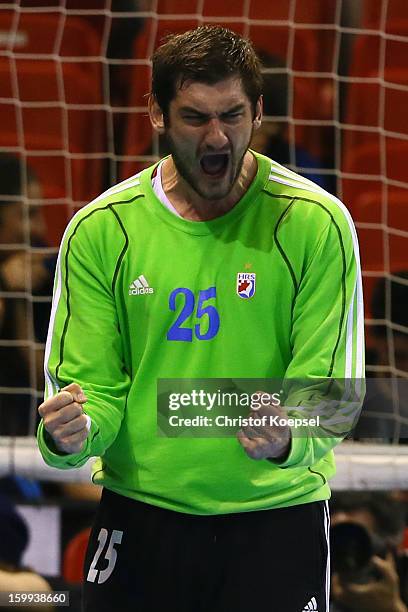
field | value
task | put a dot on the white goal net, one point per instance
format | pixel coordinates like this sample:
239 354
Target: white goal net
73 120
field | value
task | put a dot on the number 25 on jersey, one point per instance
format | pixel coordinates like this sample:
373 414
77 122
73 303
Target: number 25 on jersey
206 315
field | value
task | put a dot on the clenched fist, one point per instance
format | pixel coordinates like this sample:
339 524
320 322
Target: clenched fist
65 420
265 439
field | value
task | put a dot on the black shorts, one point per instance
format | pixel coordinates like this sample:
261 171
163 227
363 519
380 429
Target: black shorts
142 558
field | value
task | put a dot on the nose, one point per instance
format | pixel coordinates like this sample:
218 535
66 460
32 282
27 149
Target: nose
216 137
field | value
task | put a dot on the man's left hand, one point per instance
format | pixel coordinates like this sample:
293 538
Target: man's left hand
266 441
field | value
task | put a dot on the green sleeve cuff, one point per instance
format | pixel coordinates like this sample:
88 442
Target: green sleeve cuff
51 444
296 453
58 459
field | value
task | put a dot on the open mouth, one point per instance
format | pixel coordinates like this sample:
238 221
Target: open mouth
214 164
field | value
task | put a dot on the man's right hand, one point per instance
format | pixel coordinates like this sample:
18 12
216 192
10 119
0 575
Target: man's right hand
65 420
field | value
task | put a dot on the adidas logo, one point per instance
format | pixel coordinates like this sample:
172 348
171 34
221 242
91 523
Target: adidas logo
311 606
140 286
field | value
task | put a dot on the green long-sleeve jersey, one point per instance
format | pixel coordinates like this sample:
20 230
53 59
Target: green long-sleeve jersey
141 294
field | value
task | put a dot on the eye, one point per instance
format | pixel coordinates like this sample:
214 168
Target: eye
232 116
194 119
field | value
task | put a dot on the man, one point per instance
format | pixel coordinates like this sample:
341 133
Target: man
383 588
20 271
14 576
385 411
272 139
146 289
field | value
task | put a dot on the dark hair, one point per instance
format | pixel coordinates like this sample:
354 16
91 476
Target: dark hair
275 85
12 176
398 298
388 513
207 54
14 533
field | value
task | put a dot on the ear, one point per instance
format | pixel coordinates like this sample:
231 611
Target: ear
155 114
258 113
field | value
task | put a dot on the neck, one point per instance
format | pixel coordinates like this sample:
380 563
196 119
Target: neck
190 205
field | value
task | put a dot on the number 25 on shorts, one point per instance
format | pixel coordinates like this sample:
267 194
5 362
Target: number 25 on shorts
110 555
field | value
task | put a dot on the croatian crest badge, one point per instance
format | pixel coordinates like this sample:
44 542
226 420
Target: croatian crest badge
246 282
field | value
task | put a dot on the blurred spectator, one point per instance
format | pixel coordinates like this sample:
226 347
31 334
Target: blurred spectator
14 535
382 585
385 411
21 271
22 228
271 138
14 538
123 32
397 294
125 29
